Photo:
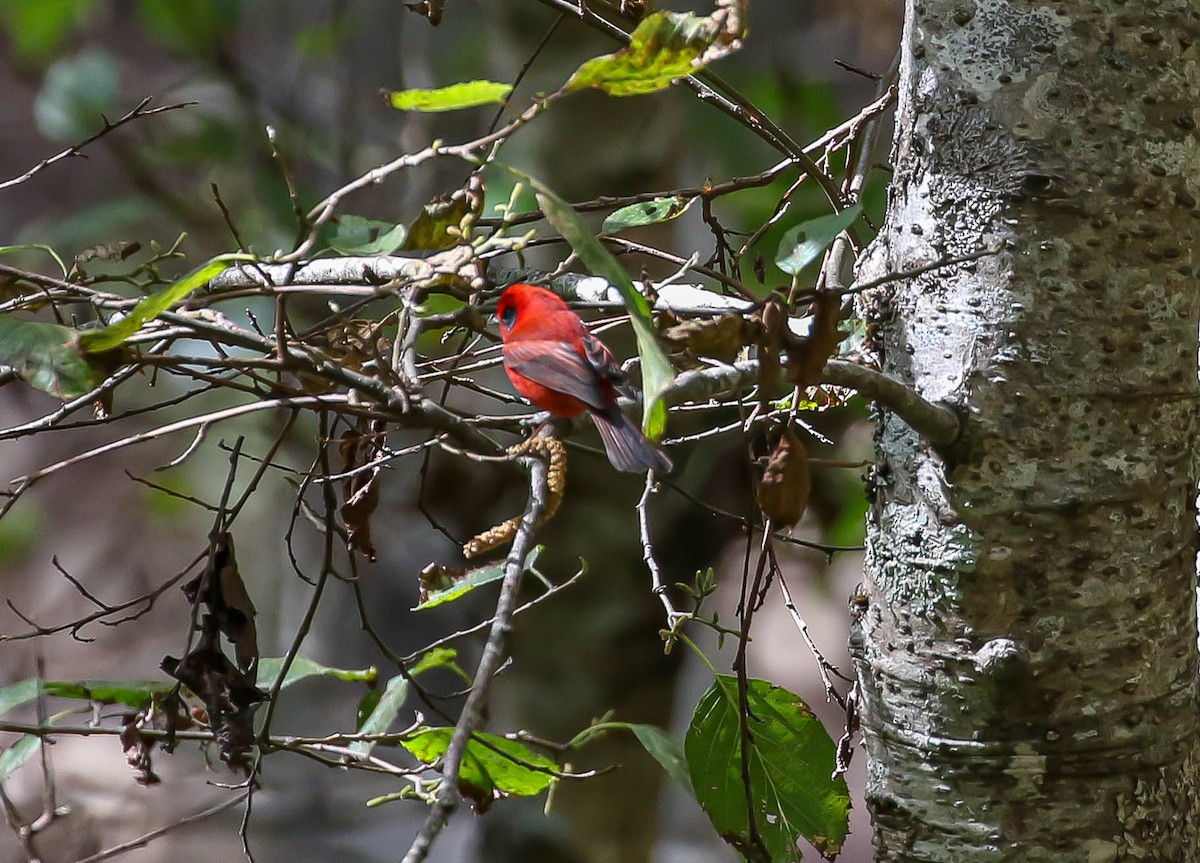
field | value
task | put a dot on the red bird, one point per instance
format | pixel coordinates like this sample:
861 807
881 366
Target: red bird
558 365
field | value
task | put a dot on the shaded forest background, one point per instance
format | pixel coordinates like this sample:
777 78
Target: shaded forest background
313 71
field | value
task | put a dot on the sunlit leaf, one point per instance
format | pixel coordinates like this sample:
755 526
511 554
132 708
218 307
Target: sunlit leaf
302 668
469 94
791 761
657 373
665 46
647 213
805 243
452 588
358 235
115 334
490 764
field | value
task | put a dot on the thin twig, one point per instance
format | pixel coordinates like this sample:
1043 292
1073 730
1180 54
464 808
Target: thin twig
448 797
109 126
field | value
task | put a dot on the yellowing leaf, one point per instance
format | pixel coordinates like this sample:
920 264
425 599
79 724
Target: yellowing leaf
468 94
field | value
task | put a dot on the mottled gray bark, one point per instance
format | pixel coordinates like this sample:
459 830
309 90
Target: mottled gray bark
1027 648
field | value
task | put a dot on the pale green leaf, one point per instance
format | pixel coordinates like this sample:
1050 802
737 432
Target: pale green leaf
302 668
115 334
465 95
647 213
805 243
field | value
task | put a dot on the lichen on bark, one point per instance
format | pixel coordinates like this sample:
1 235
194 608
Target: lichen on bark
1028 661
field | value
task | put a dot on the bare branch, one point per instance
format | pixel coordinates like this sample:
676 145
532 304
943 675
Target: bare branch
448 796
140 111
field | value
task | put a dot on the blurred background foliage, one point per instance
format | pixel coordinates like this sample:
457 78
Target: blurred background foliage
313 70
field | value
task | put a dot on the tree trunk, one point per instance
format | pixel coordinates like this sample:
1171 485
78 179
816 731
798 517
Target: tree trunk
1027 651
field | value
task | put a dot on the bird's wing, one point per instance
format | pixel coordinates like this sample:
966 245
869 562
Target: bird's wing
558 366
600 358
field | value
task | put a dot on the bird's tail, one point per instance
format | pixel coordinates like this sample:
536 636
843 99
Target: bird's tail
627 448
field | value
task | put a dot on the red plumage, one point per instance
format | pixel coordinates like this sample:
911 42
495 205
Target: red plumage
555 362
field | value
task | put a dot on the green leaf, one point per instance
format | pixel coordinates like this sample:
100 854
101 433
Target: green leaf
647 213
657 373
302 668
37 27
384 713
806 242
115 334
17 754
47 356
75 91
16 694
358 235
40 247
664 47
131 693
387 705
791 762
447 657
468 94
470 580
667 750
486 771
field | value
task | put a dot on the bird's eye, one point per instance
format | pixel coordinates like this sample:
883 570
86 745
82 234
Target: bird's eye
508 317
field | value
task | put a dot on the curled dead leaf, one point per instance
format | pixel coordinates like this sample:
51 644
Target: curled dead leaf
359 447
221 588
807 356
786 482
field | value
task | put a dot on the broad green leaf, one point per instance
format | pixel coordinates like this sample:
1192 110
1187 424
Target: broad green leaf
657 373
803 244
470 580
485 770
16 694
47 356
647 213
131 693
302 668
358 235
466 95
666 749
791 762
17 754
664 47
114 335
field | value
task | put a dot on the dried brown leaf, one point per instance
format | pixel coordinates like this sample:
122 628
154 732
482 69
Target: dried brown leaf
786 482
359 446
807 356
